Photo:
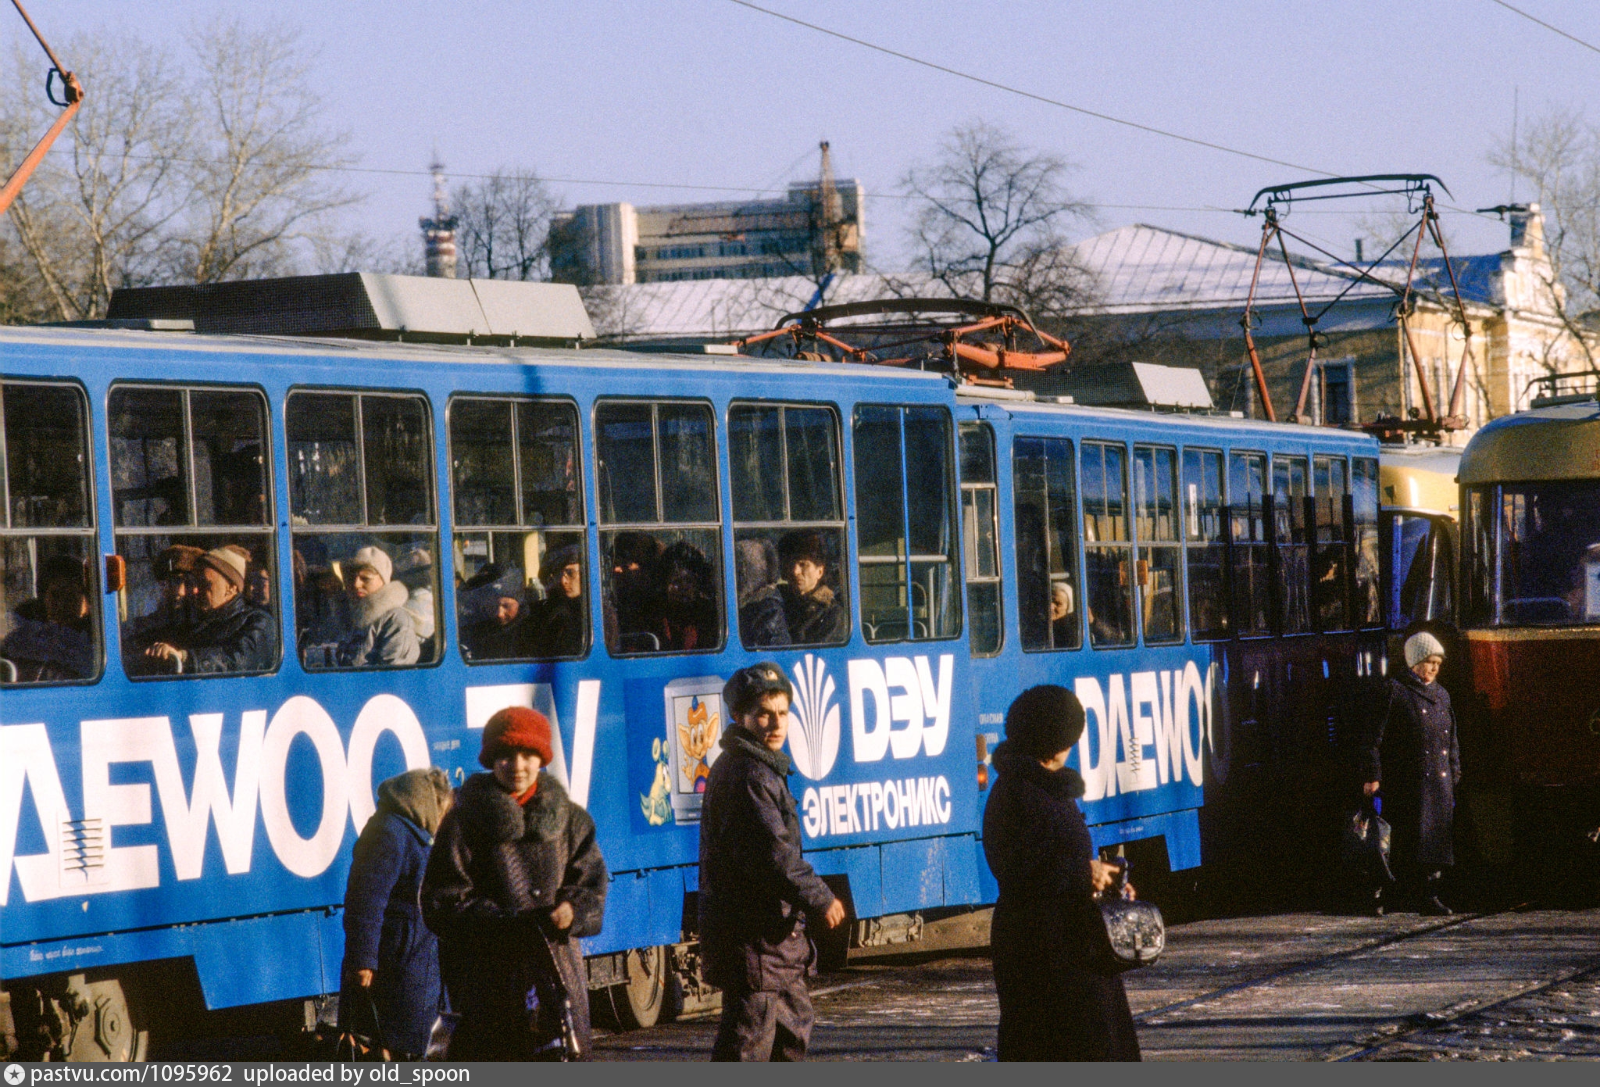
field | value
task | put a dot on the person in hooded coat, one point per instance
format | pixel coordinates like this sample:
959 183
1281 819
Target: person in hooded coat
762 622
514 880
1054 1004
1411 759
381 632
388 952
755 887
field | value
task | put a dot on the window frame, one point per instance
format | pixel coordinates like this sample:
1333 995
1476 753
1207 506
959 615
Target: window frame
365 526
1077 580
969 555
1343 542
841 526
89 531
1126 544
268 530
519 500
1261 515
1224 518
906 559
1282 598
718 527
1143 569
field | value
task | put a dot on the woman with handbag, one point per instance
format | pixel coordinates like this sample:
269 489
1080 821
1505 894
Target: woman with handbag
1058 1002
391 962
515 879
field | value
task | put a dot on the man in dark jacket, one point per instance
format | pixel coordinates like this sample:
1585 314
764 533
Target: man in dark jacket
514 880
755 888
815 615
229 634
1055 1005
1412 756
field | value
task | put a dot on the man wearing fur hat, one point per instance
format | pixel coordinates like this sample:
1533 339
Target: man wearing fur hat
1054 1005
229 633
381 632
515 878
755 888
1411 759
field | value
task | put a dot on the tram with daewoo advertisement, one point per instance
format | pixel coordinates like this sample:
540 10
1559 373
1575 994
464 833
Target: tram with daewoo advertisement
600 534
1530 616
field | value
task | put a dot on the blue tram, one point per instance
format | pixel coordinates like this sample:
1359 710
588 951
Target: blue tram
606 536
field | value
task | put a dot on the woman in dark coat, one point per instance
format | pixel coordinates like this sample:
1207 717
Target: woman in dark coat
1412 760
387 951
514 880
1054 1005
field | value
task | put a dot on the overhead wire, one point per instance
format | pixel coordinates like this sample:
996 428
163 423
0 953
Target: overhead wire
1553 29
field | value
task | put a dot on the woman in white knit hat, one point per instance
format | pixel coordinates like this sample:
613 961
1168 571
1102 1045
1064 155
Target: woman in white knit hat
1412 761
382 632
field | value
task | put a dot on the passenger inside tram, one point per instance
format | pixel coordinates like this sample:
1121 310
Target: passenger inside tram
226 634
496 620
173 571
762 621
1063 624
52 635
689 617
810 605
380 632
632 598
562 619
414 569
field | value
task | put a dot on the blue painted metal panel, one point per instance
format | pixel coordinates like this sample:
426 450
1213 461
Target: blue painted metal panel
863 867
666 905
913 875
1181 829
961 871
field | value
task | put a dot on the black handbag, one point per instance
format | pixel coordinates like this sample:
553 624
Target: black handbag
1135 932
346 1043
1364 845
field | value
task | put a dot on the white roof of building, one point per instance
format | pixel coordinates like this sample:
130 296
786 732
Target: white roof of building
1142 269
1135 269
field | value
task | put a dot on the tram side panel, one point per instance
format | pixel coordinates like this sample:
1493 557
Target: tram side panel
134 809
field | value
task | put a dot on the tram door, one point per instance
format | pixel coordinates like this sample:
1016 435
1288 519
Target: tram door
1420 571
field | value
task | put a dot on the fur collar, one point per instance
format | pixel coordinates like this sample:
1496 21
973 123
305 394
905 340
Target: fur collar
1063 784
374 606
738 739
492 814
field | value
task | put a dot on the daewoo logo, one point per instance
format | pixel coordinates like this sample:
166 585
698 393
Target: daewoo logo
814 741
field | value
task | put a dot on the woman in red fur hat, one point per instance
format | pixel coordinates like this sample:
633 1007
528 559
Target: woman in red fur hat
514 870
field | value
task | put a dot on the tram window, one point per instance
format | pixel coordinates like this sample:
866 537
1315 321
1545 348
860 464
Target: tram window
49 624
1107 545
980 536
1330 570
1364 519
1205 544
189 488
1046 526
1247 543
905 523
520 562
661 540
366 544
1159 566
1536 553
1291 538
788 525
1423 560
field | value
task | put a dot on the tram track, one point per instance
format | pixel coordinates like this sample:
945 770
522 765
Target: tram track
1308 965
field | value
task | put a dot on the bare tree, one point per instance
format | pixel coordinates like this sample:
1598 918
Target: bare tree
990 221
1559 153
503 225
257 179
91 218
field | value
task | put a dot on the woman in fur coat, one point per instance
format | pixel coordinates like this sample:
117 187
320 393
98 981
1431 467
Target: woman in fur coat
381 631
514 880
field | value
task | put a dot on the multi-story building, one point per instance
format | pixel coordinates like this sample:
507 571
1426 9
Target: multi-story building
757 239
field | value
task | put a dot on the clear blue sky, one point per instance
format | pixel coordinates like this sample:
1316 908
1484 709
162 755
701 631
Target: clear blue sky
703 92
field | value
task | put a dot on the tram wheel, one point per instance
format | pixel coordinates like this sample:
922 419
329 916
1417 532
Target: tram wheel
73 1019
640 1001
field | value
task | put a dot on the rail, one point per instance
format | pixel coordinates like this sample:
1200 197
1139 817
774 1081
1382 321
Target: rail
1571 388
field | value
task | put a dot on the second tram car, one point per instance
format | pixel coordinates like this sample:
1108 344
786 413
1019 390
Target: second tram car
605 536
